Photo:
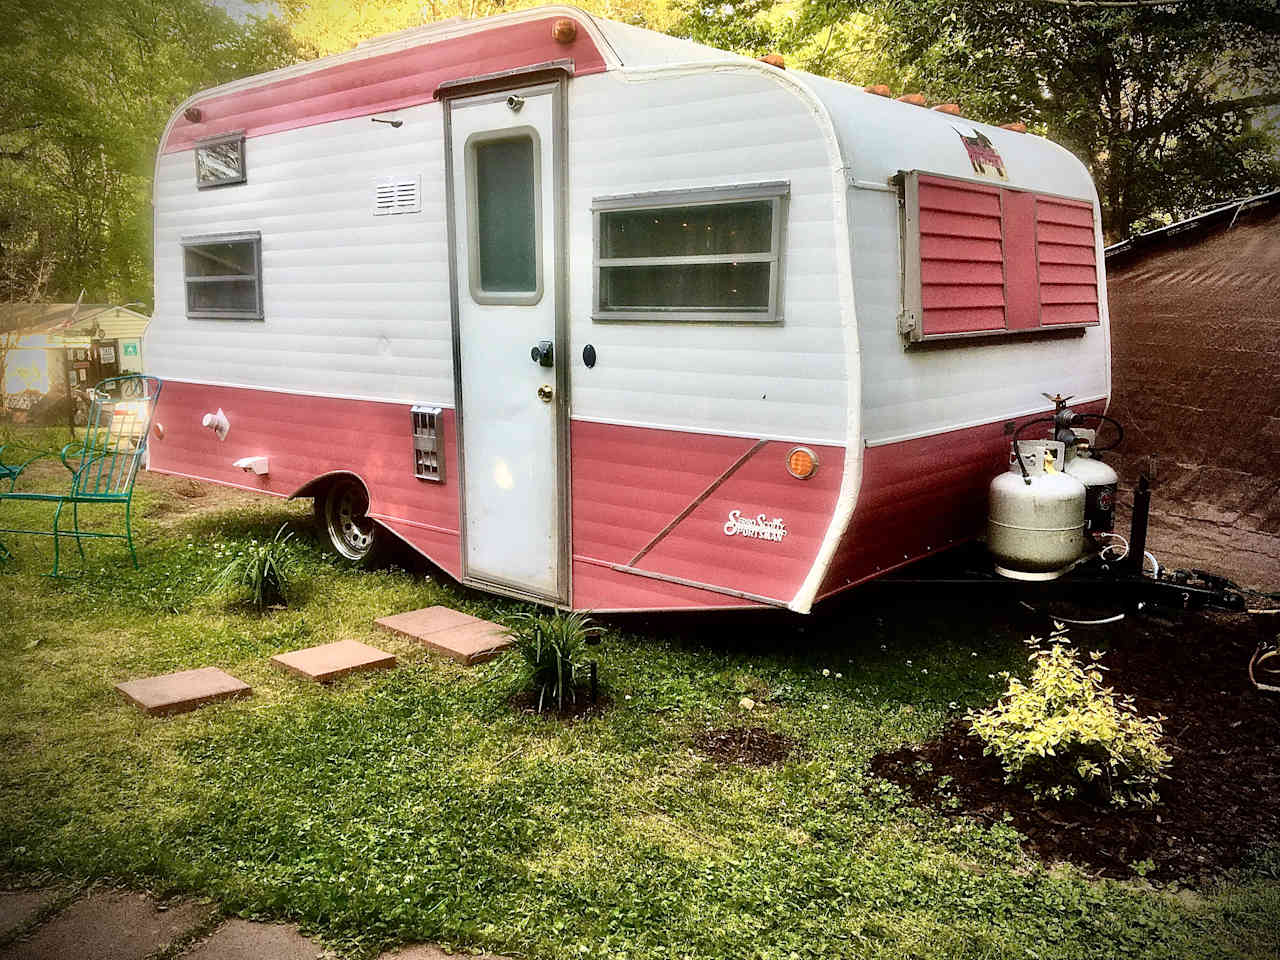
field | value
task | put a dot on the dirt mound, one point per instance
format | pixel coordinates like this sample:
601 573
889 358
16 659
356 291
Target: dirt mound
752 746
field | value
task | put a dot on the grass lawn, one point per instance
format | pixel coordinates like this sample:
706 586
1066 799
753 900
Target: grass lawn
415 804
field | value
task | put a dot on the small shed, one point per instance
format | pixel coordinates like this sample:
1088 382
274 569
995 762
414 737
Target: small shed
49 344
1195 326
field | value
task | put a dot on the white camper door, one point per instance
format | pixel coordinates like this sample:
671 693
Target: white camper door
504 185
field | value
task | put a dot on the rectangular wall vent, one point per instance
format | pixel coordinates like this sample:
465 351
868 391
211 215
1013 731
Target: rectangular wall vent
397 195
428 444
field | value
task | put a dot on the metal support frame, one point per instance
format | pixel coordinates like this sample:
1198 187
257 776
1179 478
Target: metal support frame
1124 581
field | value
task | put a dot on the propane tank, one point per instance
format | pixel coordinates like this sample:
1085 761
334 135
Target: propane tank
1035 521
1099 483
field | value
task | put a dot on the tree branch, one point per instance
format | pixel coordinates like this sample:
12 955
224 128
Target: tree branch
1220 109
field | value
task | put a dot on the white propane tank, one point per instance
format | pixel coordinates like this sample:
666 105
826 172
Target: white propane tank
1035 522
1099 484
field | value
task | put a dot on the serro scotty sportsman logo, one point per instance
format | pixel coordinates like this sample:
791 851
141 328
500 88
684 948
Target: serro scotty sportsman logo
755 528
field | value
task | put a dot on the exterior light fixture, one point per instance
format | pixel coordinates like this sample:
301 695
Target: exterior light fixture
802 463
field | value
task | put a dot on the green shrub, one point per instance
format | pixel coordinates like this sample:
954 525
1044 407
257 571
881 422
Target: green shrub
551 645
1064 735
262 571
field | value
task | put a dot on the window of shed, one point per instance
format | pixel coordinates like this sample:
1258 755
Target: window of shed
223 276
220 161
710 255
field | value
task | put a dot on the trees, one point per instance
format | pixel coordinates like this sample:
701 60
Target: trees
85 91
1170 104
322 27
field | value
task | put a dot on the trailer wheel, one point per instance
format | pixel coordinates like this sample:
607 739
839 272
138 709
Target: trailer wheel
342 513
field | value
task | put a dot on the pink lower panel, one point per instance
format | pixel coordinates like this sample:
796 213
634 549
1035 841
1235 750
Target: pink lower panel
923 495
605 590
641 498
305 438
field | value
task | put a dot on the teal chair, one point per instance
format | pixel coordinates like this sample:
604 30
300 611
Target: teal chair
103 465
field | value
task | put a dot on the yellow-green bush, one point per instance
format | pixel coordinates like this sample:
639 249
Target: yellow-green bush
1064 735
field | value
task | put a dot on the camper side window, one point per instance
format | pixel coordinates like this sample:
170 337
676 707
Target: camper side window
223 276
692 255
220 160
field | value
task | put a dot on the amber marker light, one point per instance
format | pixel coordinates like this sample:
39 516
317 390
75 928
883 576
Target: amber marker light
802 463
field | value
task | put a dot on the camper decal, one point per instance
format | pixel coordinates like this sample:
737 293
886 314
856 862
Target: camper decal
758 528
983 155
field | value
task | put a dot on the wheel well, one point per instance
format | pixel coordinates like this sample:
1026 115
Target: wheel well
316 487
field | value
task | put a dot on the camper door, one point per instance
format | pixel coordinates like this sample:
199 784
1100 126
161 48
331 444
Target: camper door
505 152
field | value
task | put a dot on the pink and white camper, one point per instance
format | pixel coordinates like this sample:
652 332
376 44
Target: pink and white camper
609 320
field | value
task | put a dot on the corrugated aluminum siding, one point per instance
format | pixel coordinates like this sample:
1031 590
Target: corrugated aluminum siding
355 305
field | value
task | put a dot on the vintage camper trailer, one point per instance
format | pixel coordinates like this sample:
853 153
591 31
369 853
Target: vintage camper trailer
606 319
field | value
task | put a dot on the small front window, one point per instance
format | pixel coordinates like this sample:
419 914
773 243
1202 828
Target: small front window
701 255
223 276
504 192
220 161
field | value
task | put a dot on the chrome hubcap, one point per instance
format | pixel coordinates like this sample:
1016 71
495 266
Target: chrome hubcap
350 530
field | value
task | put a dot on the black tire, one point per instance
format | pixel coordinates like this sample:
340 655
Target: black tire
341 510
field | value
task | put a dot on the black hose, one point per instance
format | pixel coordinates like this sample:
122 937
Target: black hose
1111 420
1017 454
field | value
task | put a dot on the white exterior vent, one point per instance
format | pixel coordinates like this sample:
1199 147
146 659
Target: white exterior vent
397 195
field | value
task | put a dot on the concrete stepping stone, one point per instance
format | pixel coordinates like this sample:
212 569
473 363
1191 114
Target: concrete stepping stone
247 940
179 692
329 661
458 635
113 925
17 907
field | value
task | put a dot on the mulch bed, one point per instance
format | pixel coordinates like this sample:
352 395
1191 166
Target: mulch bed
1223 801
752 746
574 709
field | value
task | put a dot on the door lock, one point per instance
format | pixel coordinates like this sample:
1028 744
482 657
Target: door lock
545 393
543 353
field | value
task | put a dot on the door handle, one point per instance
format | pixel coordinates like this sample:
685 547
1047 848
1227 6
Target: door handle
545 393
543 353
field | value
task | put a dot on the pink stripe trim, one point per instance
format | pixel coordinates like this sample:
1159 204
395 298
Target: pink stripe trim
390 81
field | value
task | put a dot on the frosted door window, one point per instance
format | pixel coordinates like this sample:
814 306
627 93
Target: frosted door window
505 254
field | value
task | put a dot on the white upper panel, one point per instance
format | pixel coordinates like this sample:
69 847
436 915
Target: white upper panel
880 136
356 305
636 133
926 390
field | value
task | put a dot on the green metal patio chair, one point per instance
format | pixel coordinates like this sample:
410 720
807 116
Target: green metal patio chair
103 465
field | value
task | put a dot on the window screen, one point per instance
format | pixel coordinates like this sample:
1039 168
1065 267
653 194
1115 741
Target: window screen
714 256
223 276
503 183
220 161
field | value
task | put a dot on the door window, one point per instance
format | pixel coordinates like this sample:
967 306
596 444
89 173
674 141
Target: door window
504 214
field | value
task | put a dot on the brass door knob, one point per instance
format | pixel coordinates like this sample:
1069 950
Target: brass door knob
545 393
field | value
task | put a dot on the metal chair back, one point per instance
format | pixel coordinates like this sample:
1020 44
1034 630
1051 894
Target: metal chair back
115 438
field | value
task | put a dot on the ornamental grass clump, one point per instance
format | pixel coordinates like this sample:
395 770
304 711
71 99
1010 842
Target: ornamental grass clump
1066 736
262 572
551 646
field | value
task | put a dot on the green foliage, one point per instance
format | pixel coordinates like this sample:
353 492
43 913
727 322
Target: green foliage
1065 735
1171 106
261 570
85 92
551 645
